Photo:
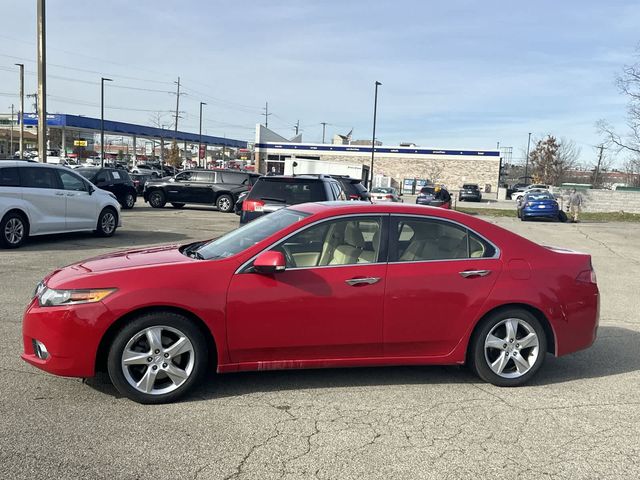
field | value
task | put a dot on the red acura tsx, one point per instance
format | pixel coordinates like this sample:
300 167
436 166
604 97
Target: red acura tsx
316 285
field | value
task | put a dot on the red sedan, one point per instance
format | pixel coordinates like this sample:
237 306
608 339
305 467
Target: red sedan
316 285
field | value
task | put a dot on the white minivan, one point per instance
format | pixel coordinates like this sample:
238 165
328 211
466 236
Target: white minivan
41 199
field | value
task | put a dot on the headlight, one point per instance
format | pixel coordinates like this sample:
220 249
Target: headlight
50 298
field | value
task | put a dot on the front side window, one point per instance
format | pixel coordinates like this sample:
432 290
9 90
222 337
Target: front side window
72 182
184 177
347 241
430 239
39 177
248 235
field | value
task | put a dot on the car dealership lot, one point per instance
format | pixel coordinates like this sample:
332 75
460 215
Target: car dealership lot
578 418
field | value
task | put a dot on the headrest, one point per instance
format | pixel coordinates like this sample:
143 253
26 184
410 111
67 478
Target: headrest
353 235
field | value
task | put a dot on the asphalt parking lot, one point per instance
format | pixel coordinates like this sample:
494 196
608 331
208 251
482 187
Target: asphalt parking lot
578 419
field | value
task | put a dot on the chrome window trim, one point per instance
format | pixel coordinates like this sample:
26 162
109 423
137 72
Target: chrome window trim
317 222
496 255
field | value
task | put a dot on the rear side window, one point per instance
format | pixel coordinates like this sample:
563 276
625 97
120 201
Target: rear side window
37 177
288 192
117 176
203 177
9 177
233 177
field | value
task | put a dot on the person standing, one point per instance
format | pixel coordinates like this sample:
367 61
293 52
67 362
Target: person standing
575 205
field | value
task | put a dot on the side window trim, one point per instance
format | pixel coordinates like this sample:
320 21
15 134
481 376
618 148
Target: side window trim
393 240
383 253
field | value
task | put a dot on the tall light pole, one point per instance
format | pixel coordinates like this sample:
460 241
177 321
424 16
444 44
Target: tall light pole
373 140
21 65
102 80
526 161
204 157
42 81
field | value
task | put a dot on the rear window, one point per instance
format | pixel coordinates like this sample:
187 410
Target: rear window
288 192
428 190
9 177
470 186
539 196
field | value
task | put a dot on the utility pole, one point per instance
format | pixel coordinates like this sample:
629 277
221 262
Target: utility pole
11 141
204 157
35 100
526 164
324 127
21 110
102 80
266 115
296 127
373 140
42 81
177 108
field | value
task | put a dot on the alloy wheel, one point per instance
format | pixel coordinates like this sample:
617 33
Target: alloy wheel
108 223
158 360
14 231
511 348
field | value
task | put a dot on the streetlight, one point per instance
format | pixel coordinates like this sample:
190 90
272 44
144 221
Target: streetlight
102 80
21 65
204 157
526 162
373 140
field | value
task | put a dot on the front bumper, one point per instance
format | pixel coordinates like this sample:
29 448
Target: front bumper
70 334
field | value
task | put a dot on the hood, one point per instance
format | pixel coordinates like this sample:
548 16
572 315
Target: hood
139 258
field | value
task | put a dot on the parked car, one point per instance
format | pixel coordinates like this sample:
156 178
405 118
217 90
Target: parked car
538 204
531 189
470 191
113 180
353 188
414 286
147 170
210 187
433 196
271 193
139 181
39 199
385 194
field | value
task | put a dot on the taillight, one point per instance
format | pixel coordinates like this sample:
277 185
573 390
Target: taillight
354 197
587 276
252 206
388 196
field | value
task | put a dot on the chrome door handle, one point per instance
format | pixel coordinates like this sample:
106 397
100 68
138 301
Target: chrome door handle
70 194
60 194
475 273
362 281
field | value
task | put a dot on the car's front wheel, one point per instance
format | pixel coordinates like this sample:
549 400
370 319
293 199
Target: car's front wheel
157 358
508 348
157 199
107 222
224 203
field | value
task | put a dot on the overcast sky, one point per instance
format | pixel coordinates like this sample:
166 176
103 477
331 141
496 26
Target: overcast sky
455 74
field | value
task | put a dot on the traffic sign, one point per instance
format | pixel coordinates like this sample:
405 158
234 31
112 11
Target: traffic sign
79 143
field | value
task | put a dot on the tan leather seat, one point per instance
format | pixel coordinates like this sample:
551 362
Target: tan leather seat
424 243
348 252
370 256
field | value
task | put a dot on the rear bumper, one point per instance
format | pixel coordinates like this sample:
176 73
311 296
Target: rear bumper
470 196
547 212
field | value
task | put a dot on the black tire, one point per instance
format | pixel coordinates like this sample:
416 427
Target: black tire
107 222
14 230
129 201
157 199
460 199
523 218
177 205
562 216
225 203
192 363
482 358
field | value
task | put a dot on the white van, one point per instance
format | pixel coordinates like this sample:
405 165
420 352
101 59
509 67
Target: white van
41 199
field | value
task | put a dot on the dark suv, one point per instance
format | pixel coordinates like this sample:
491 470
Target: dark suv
113 180
210 187
470 191
273 193
353 188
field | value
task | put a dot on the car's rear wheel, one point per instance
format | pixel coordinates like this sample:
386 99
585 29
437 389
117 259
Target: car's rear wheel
14 230
508 348
129 201
157 358
107 222
177 205
157 199
224 203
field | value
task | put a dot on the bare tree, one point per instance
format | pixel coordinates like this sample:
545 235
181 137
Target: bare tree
552 159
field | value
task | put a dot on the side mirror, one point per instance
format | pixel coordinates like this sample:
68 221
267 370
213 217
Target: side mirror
90 189
269 262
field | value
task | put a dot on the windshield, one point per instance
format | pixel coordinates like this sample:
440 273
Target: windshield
539 196
382 190
428 190
87 173
248 235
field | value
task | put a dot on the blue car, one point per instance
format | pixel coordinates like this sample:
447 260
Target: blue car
538 205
